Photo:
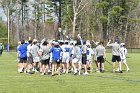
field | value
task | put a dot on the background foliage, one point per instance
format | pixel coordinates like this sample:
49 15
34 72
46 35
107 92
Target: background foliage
93 19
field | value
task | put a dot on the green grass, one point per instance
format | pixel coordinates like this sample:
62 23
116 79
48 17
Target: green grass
13 82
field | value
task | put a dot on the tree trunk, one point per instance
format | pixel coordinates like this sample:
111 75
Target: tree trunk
74 25
17 22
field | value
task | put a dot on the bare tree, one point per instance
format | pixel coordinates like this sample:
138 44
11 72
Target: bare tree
78 6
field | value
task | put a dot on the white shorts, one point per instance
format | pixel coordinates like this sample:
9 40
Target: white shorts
123 60
65 58
89 58
77 61
36 59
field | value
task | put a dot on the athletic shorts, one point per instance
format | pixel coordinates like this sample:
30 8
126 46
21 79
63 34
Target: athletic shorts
100 59
45 62
23 60
36 59
65 59
76 61
30 60
56 61
89 58
84 59
116 58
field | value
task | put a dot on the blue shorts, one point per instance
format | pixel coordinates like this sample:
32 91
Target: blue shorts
56 60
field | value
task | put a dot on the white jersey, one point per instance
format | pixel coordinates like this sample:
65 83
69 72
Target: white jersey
89 53
123 53
65 53
66 49
29 50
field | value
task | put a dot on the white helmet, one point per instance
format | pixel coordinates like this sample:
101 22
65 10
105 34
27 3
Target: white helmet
34 40
88 42
122 44
97 43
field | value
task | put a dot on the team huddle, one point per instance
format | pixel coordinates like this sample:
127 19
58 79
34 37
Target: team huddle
51 56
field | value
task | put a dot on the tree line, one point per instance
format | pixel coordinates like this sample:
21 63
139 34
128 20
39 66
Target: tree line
98 20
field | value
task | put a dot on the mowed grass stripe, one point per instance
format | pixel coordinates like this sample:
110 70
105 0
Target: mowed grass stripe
13 82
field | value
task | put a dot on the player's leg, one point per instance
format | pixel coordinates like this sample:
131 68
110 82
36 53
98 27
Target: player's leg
124 62
84 62
113 63
58 68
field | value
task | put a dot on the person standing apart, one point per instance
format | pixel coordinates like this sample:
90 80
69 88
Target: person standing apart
115 54
123 56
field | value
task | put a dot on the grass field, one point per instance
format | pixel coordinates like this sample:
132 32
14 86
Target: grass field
13 82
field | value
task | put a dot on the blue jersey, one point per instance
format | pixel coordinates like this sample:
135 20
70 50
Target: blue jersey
23 50
56 51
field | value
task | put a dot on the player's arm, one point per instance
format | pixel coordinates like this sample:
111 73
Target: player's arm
18 52
108 44
94 42
104 53
95 55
